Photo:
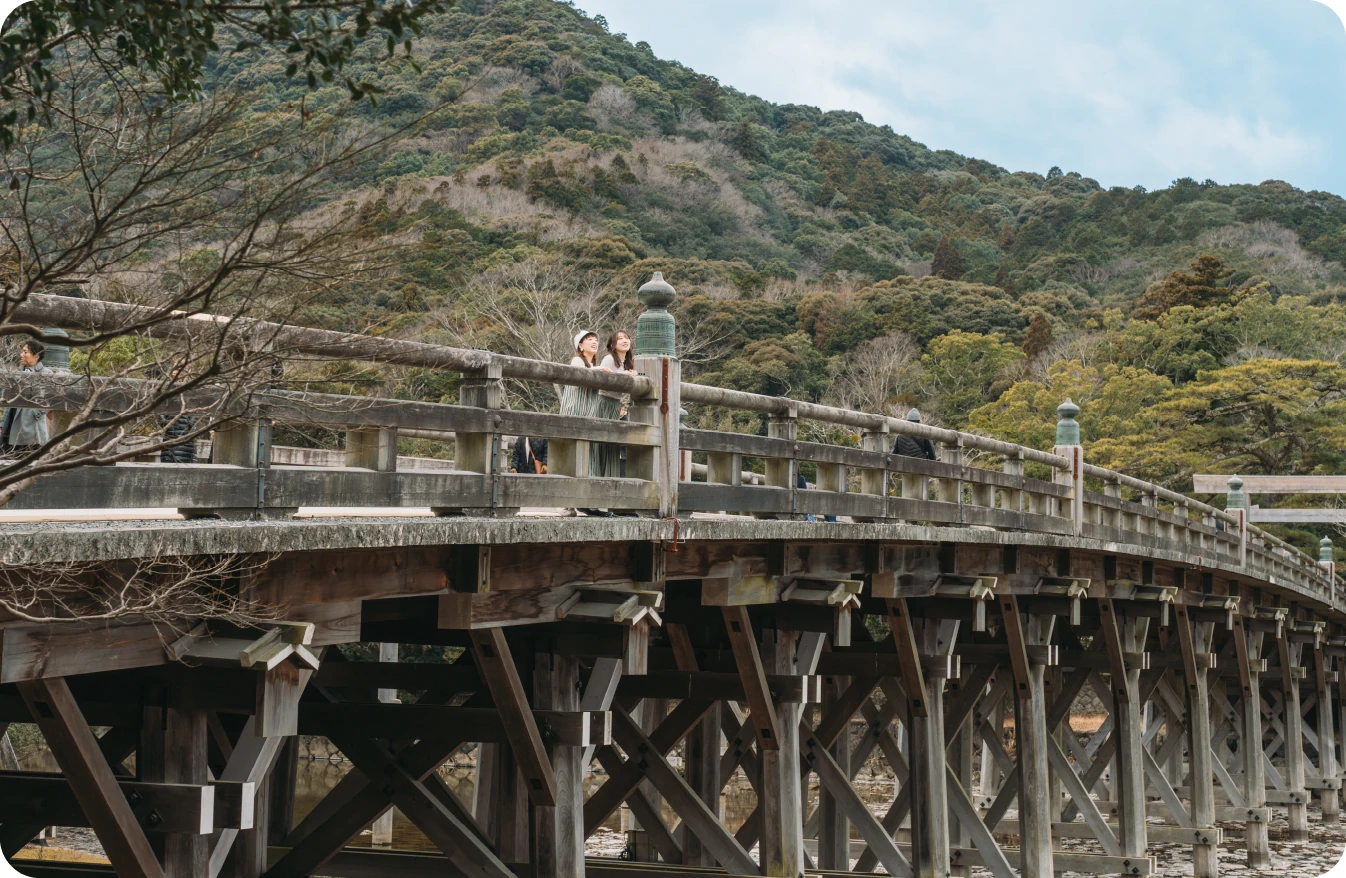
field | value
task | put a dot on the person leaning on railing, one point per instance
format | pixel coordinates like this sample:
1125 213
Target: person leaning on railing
914 446
583 402
177 426
612 404
21 429
529 456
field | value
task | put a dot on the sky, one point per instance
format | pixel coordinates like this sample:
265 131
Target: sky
1130 93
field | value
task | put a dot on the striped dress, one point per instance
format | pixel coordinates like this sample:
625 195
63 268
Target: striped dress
585 402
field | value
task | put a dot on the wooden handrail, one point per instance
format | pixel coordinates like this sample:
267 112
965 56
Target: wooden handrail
85 316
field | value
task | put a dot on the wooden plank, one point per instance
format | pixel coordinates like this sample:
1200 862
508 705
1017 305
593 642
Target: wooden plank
32 652
970 821
849 802
753 675
650 819
376 720
913 679
682 797
718 686
610 795
85 767
456 839
351 806
1113 640
248 764
496 664
179 808
1316 484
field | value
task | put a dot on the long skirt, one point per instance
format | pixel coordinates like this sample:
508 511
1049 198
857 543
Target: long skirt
605 457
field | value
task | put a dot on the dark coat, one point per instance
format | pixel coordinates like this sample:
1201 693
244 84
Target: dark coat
518 461
176 428
914 446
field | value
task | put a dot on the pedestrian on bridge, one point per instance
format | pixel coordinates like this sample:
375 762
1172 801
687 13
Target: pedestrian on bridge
914 446
23 430
584 402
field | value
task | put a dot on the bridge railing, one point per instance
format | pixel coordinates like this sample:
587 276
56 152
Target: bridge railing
866 483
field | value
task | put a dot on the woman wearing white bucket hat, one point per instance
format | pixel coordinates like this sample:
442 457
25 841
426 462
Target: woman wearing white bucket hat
583 402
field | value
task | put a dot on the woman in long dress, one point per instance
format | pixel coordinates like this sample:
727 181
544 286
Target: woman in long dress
584 402
606 456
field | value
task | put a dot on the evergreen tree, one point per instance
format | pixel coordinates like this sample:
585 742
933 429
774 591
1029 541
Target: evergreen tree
1039 335
1202 287
1005 282
947 262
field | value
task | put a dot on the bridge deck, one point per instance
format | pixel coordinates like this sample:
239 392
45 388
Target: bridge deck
953 607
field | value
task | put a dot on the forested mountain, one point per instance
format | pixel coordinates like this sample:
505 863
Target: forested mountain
558 164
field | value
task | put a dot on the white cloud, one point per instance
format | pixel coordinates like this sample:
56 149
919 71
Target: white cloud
1127 93
1337 6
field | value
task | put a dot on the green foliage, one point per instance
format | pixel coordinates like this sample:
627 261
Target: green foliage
809 248
1263 416
176 42
961 369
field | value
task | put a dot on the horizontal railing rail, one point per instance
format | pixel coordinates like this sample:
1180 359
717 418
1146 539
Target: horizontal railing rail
868 483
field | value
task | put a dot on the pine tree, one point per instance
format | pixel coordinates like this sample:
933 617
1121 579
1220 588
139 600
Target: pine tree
1039 335
947 262
1005 282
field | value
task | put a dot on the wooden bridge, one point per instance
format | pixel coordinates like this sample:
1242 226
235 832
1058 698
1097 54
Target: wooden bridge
715 622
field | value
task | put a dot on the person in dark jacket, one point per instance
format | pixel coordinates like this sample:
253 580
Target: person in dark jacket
176 426
914 446
529 456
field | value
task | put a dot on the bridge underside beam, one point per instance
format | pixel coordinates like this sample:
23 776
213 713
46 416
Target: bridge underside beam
975 656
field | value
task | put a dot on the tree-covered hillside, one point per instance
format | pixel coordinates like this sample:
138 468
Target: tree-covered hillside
551 166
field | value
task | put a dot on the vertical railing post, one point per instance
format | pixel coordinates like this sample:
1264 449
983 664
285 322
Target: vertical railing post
1328 564
781 472
1015 499
657 360
1236 504
481 453
1068 446
374 449
875 481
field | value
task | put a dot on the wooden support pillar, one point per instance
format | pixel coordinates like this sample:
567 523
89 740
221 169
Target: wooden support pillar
962 755
930 804
284 784
1194 639
91 780
559 829
186 856
501 806
1330 799
495 662
1250 744
702 754
1030 730
1298 812
703 774
382 830
782 840
834 830
1130 746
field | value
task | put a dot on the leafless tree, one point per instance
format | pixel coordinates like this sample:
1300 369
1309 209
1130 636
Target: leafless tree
204 207
165 591
877 373
530 309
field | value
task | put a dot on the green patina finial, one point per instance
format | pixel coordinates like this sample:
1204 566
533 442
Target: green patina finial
1325 550
1235 498
1067 429
656 331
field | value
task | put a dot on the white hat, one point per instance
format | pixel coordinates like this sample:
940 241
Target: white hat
579 337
